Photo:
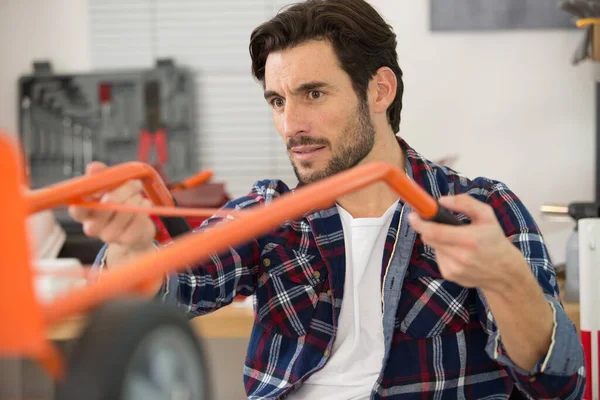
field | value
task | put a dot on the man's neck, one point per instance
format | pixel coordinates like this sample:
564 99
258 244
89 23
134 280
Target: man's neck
374 200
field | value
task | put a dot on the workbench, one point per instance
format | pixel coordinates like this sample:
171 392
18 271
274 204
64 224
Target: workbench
234 321
224 334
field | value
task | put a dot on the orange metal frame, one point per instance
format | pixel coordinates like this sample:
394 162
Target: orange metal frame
23 329
192 181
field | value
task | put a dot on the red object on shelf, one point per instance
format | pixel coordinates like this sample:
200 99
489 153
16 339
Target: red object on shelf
206 195
157 140
105 93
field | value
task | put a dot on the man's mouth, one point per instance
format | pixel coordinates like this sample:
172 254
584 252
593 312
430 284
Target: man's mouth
306 149
306 152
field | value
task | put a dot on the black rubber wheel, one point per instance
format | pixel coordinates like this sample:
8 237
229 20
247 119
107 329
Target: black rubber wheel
136 349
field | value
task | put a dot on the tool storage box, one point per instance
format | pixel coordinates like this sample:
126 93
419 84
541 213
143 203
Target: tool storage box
68 120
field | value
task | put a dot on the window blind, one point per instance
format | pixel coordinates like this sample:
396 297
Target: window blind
236 137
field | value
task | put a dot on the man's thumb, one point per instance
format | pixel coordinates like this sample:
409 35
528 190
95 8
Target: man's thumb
94 167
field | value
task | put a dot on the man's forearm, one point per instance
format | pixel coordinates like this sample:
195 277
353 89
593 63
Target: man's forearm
523 315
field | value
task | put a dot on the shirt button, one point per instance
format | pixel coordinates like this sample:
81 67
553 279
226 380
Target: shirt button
326 354
329 293
266 262
532 379
317 275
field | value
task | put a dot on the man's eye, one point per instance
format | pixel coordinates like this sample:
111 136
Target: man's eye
315 94
277 103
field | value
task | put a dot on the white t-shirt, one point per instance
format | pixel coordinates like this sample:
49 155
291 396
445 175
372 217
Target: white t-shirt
357 356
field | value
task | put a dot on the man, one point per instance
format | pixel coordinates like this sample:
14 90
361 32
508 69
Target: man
365 299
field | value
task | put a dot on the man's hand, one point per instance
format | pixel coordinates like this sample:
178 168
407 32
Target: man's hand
126 234
474 255
480 255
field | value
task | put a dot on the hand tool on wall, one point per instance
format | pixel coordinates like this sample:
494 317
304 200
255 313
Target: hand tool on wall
42 99
67 147
76 96
153 133
26 127
45 121
105 99
77 149
122 107
37 122
46 104
87 147
582 9
57 136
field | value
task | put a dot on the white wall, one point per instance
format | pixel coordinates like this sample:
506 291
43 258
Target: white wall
509 104
55 30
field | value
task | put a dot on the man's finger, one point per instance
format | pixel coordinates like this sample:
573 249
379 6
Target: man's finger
113 228
442 234
123 192
80 214
476 210
94 167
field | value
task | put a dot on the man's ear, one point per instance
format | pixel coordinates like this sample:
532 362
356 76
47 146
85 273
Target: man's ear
382 89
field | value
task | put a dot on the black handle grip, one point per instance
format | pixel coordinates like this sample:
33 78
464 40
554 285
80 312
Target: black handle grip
444 216
176 226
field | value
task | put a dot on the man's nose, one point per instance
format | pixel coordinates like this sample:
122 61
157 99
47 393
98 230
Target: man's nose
295 121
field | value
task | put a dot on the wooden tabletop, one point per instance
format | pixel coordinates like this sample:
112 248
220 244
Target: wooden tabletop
229 322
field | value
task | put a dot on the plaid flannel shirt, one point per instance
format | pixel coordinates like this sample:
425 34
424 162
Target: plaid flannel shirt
441 341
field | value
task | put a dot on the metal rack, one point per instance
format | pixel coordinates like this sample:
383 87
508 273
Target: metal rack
68 120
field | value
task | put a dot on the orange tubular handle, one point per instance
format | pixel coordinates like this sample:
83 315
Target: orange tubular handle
196 247
193 181
77 189
110 178
162 211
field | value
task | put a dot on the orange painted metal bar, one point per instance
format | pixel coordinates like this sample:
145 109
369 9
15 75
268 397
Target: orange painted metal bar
162 211
193 181
196 247
78 188
23 327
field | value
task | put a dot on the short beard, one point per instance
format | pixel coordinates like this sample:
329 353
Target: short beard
356 142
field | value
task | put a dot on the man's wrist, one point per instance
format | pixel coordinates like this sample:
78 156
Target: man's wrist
512 275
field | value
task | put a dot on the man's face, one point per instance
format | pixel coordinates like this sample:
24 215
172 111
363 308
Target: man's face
325 126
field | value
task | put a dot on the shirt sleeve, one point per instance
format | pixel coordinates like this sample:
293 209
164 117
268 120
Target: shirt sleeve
560 373
204 287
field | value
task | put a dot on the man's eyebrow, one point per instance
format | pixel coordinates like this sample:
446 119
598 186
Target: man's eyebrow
305 87
271 93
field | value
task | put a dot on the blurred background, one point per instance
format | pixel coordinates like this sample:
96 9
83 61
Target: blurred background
490 86
507 104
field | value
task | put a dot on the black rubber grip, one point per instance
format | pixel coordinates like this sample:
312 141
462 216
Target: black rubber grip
444 216
176 226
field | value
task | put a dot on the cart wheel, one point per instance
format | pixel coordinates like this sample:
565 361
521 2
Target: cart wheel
135 349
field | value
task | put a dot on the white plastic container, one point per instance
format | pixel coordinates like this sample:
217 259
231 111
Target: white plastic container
589 300
57 276
572 268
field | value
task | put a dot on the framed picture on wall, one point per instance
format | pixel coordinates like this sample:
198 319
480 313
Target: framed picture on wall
491 15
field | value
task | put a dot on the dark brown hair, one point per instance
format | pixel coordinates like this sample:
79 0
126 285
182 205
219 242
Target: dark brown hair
361 39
